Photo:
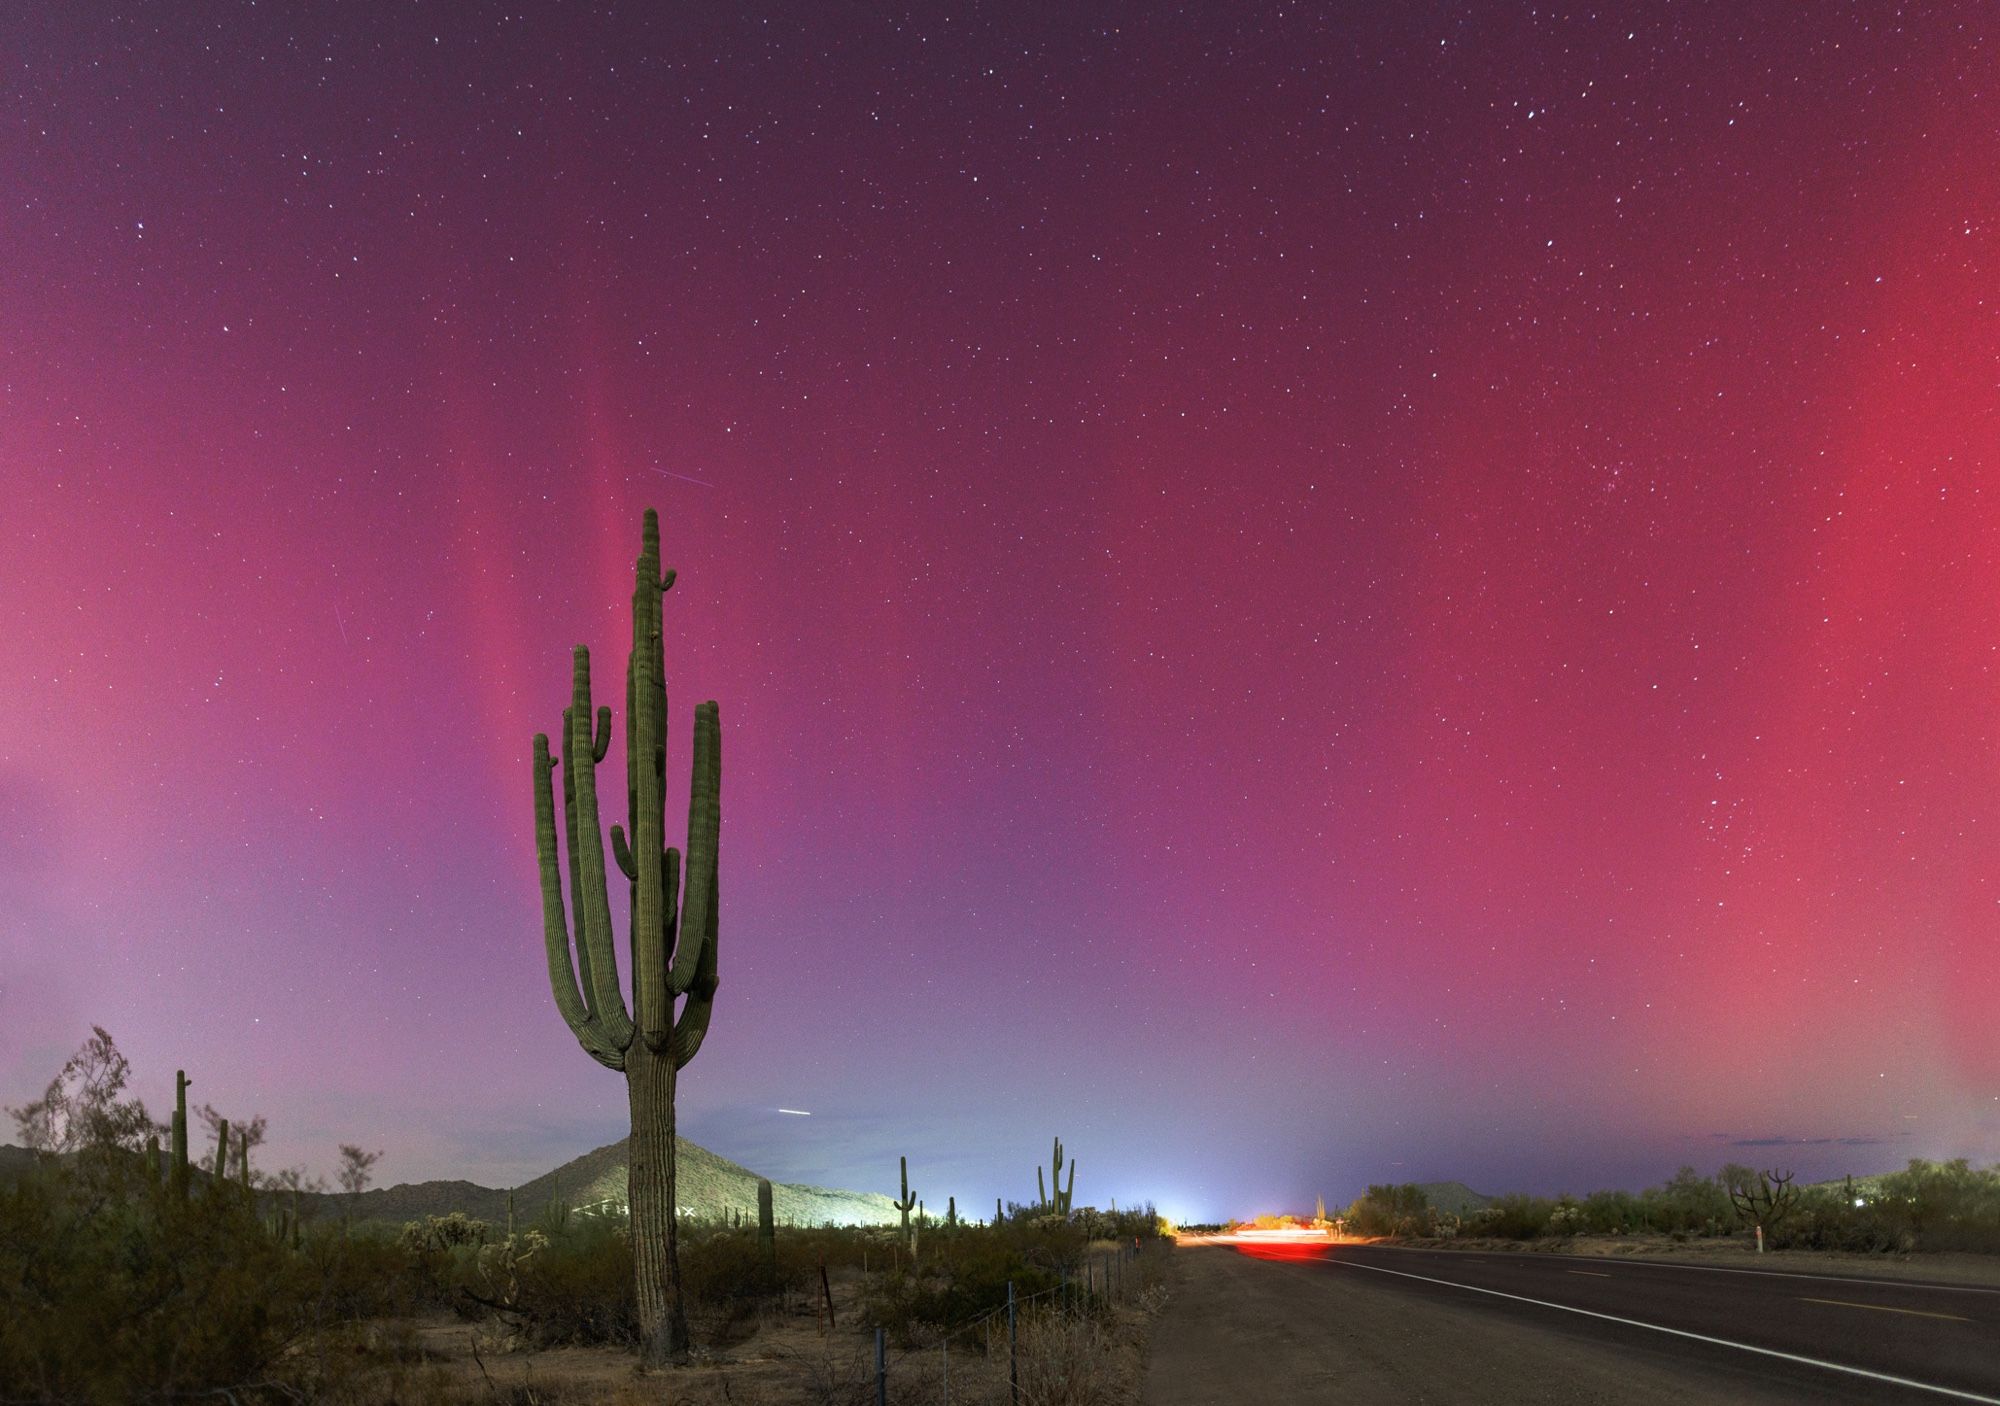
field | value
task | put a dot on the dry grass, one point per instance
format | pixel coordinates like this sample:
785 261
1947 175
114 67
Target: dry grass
782 1359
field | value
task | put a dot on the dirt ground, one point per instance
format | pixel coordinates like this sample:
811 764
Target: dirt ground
782 1355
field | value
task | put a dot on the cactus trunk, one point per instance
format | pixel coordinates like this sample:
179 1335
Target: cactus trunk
767 1230
649 1191
222 1152
906 1203
178 1176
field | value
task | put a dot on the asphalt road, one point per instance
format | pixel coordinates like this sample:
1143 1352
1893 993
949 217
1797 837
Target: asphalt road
1368 1324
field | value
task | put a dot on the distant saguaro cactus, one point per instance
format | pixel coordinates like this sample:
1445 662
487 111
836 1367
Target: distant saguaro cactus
908 1201
1063 1200
222 1152
673 931
767 1230
178 1175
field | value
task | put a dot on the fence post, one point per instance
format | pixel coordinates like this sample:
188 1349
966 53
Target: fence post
881 1372
1013 1358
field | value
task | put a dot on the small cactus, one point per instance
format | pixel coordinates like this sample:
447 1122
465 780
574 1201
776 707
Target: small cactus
222 1151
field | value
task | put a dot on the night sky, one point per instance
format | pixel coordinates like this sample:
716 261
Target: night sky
1299 595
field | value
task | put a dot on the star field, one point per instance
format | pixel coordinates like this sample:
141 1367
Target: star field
1299 594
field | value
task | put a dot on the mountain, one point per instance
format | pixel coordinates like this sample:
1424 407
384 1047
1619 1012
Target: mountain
708 1187
1454 1197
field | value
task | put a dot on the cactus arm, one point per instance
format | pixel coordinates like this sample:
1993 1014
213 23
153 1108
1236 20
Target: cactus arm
652 998
570 1004
622 852
594 903
692 1027
569 770
670 900
698 917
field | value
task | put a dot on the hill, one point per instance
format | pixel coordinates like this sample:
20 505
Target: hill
708 1187
1454 1197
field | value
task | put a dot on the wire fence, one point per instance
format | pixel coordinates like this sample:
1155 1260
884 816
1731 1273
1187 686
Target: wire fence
1033 1349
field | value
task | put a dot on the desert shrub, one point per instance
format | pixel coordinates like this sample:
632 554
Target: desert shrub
1566 1217
722 1267
1689 1204
1614 1213
578 1288
1941 1205
1827 1219
113 1289
1068 1360
964 1274
1514 1217
1391 1210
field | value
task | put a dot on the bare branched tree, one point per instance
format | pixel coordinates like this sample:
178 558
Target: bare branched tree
81 1109
1762 1199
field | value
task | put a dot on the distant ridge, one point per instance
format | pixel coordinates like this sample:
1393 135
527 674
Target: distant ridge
708 1187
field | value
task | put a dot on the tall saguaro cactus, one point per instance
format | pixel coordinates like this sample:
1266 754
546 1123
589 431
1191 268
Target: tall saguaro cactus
907 1202
177 1175
767 1231
673 927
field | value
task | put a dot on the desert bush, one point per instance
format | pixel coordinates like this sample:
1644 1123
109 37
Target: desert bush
1069 1360
115 1290
1391 1210
577 1288
1514 1217
1614 1213
1689 1204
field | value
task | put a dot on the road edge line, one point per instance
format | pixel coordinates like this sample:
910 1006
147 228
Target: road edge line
1888 1377
1643 1263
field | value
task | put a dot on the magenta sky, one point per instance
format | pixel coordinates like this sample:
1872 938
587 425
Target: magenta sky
1299 599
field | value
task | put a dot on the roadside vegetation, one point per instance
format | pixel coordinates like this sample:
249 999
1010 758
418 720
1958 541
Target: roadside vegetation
1928 1206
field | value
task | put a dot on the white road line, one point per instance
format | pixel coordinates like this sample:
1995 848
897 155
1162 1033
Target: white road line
1952 1392
1529 1256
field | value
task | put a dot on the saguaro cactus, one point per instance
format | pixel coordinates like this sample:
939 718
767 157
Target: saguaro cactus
767 1230
673 927
222 1151
178 1137
1062 1200
908 1201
